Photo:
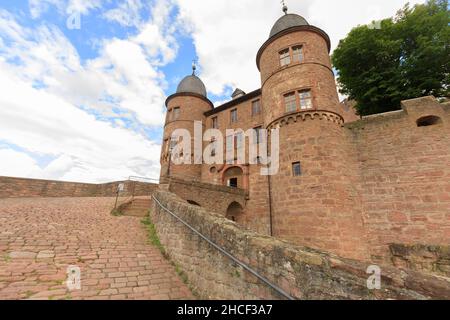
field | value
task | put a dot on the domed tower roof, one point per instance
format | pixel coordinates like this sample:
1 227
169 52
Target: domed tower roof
288 21
192 84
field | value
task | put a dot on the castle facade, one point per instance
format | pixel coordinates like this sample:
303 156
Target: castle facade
351 186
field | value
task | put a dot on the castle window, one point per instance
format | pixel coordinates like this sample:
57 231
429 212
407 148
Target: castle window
256 107
305 100
233 182
173 143
230 143
239 140
297 54
291 102
213 148
296 169
428 121
215 123
234 116
176 113
285 57
258 132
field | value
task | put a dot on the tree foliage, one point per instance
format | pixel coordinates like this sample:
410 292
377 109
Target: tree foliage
408 57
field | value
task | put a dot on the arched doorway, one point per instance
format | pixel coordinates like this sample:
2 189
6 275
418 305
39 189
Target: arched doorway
234 177
234 212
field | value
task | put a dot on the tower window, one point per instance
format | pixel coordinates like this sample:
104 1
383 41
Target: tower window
215 123
291 102
176 113
305 100
285 57
256 107
234 116
296 169
297 54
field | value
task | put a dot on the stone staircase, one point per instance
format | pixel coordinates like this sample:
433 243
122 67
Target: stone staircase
138 207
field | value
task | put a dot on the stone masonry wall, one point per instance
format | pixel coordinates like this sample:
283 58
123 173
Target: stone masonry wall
302 272
31 188
405 177
212 197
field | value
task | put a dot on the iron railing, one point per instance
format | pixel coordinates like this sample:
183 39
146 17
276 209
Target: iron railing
226 253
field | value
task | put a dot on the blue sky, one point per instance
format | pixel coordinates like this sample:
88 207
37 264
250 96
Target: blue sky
87 104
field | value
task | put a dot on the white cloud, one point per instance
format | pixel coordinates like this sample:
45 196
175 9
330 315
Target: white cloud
49 94
126 14
227 35
86 149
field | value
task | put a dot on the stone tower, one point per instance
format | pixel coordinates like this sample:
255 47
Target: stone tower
186 106
313 196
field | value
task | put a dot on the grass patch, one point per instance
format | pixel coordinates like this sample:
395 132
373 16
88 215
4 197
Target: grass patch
116 213
154 240
6 258
153 236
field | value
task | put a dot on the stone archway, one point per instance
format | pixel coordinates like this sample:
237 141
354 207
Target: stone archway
235 212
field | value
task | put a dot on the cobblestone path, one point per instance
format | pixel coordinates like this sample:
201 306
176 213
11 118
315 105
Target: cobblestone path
41 238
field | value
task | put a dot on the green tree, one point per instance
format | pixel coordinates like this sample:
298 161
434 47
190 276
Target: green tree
408 57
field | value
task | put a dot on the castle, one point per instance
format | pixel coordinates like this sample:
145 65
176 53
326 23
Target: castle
355 187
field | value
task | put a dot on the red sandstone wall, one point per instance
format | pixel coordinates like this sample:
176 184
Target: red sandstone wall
212 197
303 273
405 177
30 188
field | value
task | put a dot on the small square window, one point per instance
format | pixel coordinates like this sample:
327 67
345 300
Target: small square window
296 169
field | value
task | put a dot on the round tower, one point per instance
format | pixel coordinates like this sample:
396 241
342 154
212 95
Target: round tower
184 108
314 198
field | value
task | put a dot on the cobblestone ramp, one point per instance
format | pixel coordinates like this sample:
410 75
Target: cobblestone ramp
41 238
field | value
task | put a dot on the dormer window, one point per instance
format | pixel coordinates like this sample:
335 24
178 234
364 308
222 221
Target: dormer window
285 57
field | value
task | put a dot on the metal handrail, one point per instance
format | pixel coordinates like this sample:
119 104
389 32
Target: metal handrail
226 253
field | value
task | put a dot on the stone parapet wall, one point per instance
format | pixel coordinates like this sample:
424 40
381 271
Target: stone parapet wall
31 188
302 272
212 197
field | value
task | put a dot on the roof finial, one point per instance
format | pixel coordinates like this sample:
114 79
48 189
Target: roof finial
194 66
285 8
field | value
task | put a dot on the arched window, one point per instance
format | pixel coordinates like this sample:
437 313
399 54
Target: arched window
428 121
